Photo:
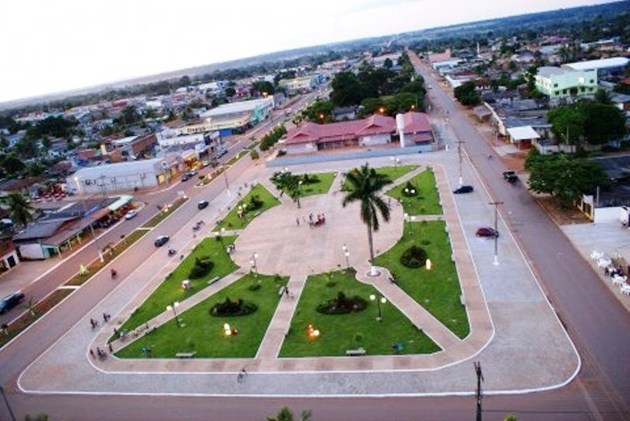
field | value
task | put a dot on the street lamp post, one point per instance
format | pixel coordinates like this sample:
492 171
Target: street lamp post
172 307
227 184
379 301
496 230
254 264
299 193
408 221
346 253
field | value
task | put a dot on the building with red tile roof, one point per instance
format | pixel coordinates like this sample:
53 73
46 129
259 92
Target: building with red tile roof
368 132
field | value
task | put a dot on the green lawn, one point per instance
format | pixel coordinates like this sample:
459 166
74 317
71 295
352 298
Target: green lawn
171 288
392 172
232 221
438 289
321 186
426 201
204 334
339 333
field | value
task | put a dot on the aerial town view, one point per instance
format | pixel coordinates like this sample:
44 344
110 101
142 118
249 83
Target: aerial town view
356 210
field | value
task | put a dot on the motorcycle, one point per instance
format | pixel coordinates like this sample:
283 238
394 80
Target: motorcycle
113 273
171 252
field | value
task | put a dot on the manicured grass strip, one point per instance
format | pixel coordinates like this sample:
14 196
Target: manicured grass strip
342 332
320 185
232 221
171 290
165 212
392 172
108 255
28 318
438 289
426 200
204 334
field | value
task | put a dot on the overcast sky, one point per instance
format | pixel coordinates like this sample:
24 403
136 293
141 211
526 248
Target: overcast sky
56 45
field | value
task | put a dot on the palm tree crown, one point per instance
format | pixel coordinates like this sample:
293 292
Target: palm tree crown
365 184
19 209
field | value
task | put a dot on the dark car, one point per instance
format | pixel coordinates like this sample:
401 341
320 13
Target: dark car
510 176
463 189
10 301
202 204
185 177
487 232
161 240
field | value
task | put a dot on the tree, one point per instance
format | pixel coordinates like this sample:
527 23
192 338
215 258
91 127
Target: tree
605 122
467 94
567 123
11 164
365 184
230 92
19 209
564 176
346 90
263 87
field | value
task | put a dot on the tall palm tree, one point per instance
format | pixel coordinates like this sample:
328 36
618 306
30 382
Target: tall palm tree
365 185
19 209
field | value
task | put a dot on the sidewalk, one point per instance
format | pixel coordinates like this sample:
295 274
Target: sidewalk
523 346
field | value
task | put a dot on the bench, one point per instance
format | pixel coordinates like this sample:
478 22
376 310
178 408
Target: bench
185 354
213 280
355 352
462 300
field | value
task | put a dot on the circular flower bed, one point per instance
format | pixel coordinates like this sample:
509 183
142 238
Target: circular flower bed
233 308
342 305
414 257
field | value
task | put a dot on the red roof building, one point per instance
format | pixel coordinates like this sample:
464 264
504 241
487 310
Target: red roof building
371 131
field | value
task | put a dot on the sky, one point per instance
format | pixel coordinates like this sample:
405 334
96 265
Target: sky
54 46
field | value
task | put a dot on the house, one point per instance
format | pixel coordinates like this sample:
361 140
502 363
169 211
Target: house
377 130
8 255
565 82
345 113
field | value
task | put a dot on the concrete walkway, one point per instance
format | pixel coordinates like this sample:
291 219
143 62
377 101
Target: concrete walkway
525 348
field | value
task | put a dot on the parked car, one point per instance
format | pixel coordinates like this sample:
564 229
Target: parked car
487 232
131 214
202 204
204 164
161 240
510 176
185 177
11 301
463 189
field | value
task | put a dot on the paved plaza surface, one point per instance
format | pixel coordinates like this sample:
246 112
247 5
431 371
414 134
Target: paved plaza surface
514 331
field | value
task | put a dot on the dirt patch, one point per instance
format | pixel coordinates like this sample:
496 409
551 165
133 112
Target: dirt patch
561 216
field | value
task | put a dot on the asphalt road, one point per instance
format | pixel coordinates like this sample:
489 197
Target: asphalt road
595 321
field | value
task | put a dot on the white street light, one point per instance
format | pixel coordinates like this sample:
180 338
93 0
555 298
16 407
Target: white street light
172 307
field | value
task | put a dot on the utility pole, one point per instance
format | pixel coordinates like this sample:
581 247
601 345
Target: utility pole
496 229
479 394
459 153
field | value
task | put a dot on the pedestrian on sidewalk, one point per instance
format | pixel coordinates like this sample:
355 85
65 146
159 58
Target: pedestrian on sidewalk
92 353
297 221
111 348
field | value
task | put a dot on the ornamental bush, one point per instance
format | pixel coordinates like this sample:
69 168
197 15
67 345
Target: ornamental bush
342 304
202 266
233 308
414 257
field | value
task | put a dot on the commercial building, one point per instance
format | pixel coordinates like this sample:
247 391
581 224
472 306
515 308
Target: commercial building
377 130
565 82
237 117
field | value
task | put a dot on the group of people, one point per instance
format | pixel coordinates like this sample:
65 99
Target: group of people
613 271
320 219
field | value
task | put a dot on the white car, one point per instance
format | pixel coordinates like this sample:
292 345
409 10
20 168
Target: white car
131 214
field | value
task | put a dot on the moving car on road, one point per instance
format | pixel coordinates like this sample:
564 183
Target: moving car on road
510 177
161 240
202 204
11 301
487 232
463 189
131 214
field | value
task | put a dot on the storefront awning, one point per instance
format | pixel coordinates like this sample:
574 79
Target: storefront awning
122 201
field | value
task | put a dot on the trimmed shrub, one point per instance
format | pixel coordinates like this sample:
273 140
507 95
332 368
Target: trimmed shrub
342 305
202 267
233 308
254 154
414 257
255 203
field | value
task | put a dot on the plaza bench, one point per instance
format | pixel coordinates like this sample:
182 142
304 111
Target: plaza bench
213 280
355 352
462 300
185 354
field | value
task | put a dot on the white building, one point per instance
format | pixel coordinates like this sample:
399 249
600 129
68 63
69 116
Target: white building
123 176
564 82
